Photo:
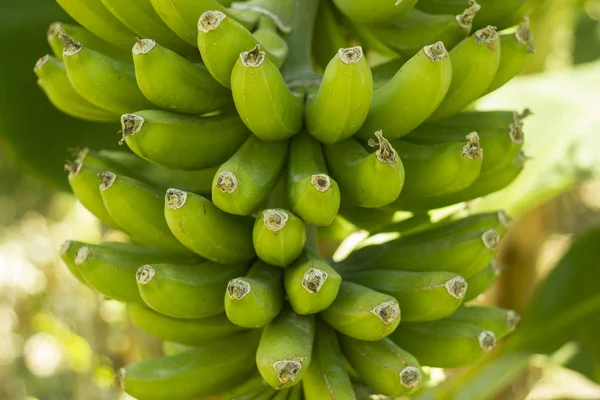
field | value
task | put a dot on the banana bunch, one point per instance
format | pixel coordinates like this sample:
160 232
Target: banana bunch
257 132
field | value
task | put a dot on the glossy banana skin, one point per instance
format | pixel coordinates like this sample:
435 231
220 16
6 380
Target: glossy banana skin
262 99
423 296
340 106
174 83
183 141
186 331
208 370
369 219
278 236
481 281
383 365
362 313
492 12
186 290
412 95
53 80
206 230
254 300
444 344
285 349
498 320
380 12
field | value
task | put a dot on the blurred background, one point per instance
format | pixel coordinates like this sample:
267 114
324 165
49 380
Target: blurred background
59 340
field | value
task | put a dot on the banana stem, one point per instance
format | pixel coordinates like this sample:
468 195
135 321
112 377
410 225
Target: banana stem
298 65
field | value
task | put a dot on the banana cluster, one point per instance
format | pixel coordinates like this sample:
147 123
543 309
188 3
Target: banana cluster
240 150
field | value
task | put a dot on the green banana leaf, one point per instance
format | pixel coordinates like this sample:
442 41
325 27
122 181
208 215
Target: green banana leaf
32 132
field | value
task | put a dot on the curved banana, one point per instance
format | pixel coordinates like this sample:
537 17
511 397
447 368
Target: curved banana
481 281
366 179
206 230
328 34
273 43
183 141
278 236
498 320
412 95
340 106
379 12
68 252
369 219
174 83
493 12
247 390
263 100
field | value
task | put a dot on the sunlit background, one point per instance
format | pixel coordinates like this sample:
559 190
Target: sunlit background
59 340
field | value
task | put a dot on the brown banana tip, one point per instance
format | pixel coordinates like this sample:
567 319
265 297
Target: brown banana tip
238 288
386 154
504 218
410 377
39 64
487 36
120 378
143 46
497 267
253 58
350 55
435 52
145 274
73 167
65 247
487 340
82 255
175 198
72 47
491 239
210 20
457 287
525 36
227 182
512 319
465 20
131 124
314 279
275 220
320 182
472 150
107 179
287 371
387 312
54 30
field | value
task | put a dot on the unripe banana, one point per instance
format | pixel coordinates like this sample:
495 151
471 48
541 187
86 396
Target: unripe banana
369 219
475 62
296 393
279 395
498 320
383 365
263 100
206 230
437 169
380 12
278 236
186 331
183 141
244 181
311 285
256 299
339 107
68 252
366 179
271 41
53 80
103 81
515 49
174 83
83 179
138 209
412 95
418 29
181 16
493 12
385 71
249 389
188 290
285 349
172 348
362 313
94 16
444 344
209 369
326 377
313 195
365 37
423 296
328 34
481 281
86 38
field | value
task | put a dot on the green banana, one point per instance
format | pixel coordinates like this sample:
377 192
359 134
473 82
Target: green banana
103 81
365 37
444 344
285 349
481 281
140 17
328 34
174 83
423 296
172 348
244 181
412 95
181 16
86 38
493 12
83 179
369 219
186 331
262 99
207 370
362 313
385 71
271 41
366 179
278 236
94 16
296 393
256 299
186 291
437 169
68 252
326 377
498 320
515 49
380 12
280 395
383 365
475 62
417 29
340 106
183 141
249 389
53 80
137 208
313 195
206 230
311 285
